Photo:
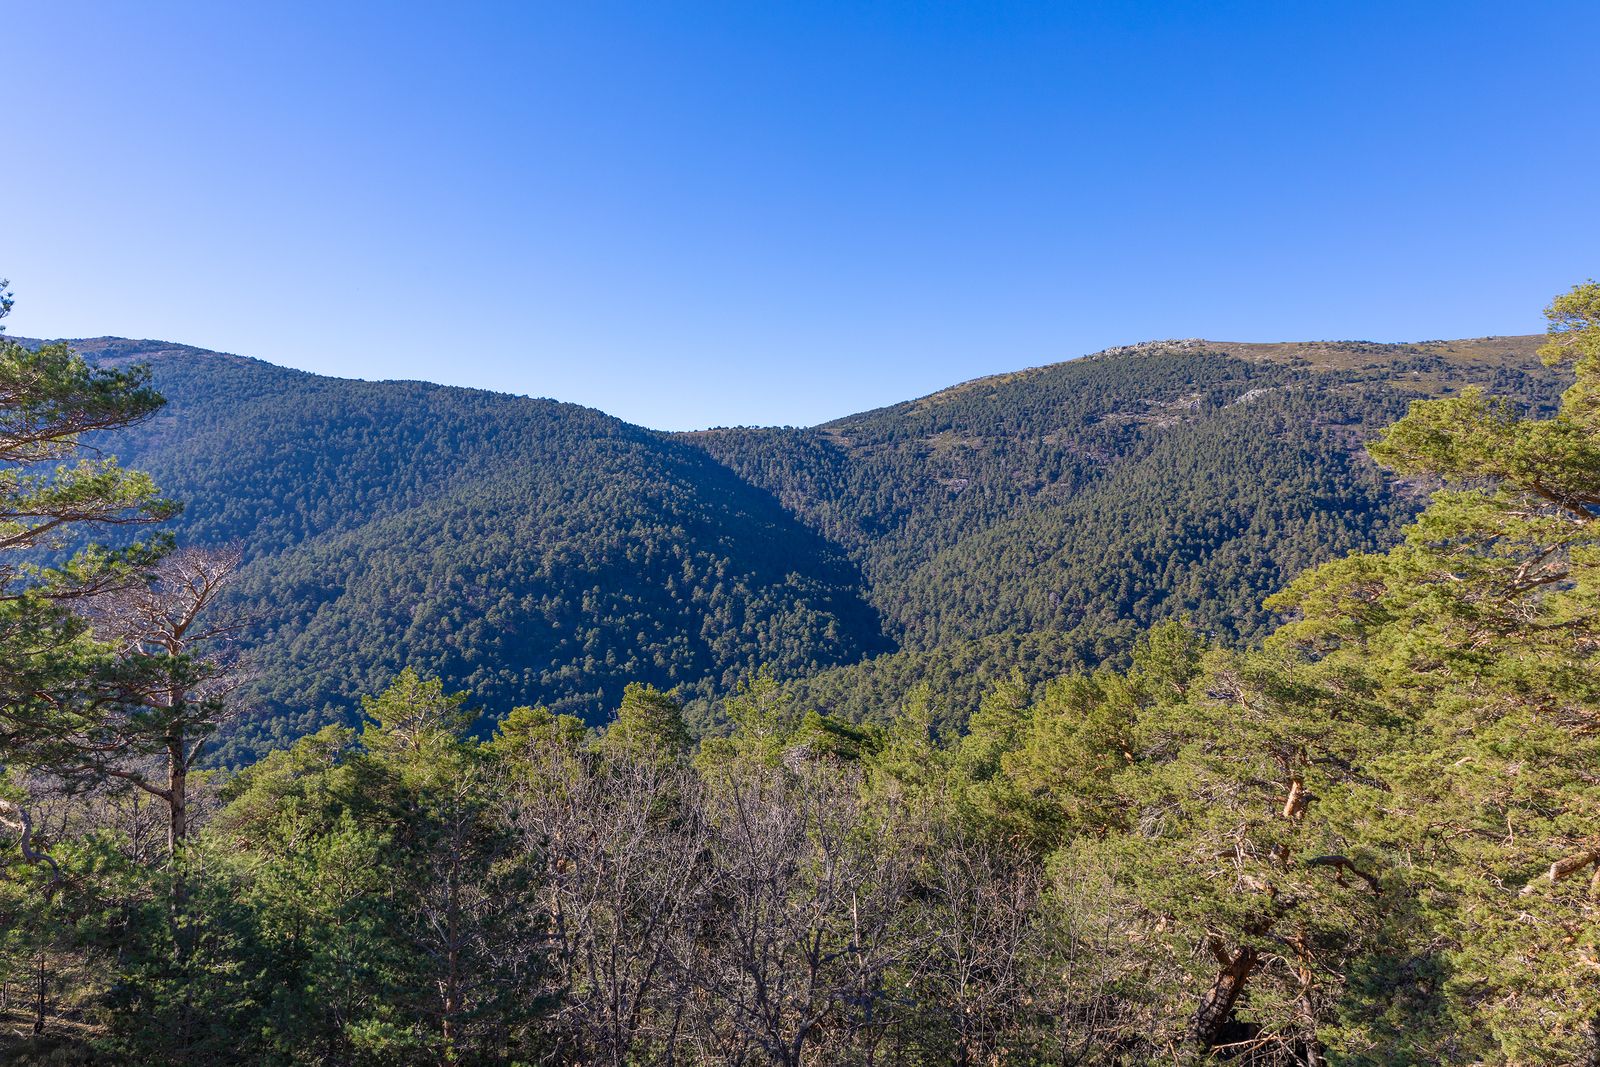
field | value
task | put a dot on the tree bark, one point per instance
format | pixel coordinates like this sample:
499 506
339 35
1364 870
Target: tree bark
177 794
1216 1007
38 1011
1296 799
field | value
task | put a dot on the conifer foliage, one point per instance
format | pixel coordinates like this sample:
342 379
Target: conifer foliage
1368 838
542 553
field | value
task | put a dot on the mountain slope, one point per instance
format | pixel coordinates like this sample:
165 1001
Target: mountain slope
531 551
1076 499
541 552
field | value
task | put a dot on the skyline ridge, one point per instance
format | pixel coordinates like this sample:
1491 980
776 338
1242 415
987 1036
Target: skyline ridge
1152 345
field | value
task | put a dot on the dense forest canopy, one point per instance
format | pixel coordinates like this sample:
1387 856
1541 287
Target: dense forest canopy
528 550
540 553
1362 835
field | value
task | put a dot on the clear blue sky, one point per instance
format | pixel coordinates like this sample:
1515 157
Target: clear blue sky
691 215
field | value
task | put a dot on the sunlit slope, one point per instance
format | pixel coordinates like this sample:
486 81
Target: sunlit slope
1079 498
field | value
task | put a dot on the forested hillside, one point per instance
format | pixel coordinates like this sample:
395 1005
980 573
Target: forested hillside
541 553
1365 838
1068 505
1154 479
538 552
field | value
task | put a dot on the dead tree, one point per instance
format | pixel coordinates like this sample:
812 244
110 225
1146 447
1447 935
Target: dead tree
188 671
620 844
797 927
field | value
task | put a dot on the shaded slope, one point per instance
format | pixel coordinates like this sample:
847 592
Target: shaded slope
558 584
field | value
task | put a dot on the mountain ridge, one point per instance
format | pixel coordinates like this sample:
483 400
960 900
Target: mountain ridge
116 349
540 552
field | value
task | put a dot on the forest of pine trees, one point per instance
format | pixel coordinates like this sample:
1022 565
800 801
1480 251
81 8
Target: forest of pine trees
532 552
1370 836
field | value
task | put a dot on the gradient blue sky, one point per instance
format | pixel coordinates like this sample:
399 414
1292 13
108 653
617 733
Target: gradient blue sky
699 214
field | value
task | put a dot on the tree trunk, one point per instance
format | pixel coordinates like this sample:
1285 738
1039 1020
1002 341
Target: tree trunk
177 794
1305 970
38 1011
1216 1007
177 798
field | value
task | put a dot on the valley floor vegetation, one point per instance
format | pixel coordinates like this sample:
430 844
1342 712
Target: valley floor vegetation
1372 838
